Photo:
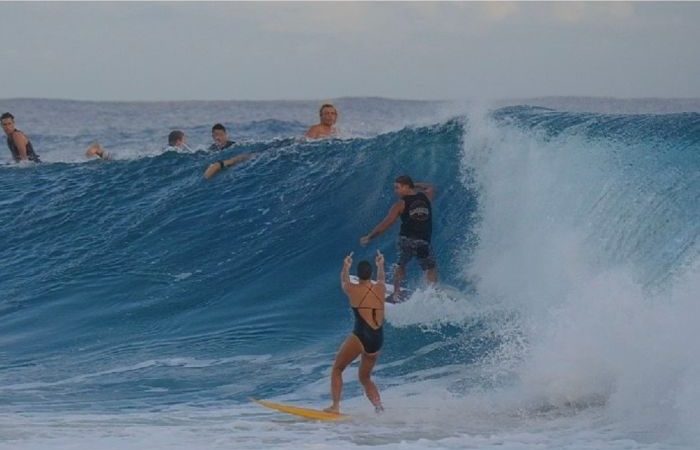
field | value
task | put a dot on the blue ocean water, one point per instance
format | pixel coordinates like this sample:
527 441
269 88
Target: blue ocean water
142 306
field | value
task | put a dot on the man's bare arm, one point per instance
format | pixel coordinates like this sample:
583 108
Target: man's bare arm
379 261
218 166
384 225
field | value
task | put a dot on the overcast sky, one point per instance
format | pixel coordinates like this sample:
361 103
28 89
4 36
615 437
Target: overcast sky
264 51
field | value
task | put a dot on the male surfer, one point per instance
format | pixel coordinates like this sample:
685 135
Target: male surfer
220 137
221 142
367 303
326 126
416 212
19 144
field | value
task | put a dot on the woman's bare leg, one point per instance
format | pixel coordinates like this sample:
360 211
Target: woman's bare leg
365 374
350 349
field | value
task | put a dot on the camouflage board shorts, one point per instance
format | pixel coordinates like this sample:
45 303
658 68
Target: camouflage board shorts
422 250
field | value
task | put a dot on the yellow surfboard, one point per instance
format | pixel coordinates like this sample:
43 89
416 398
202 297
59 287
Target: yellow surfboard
306 413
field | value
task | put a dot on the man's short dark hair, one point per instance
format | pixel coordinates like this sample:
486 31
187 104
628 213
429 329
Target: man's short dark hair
218 126
325 105
7 115
175 136
405 180
364 270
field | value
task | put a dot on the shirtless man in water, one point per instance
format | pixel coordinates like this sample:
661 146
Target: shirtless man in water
367 304
326 128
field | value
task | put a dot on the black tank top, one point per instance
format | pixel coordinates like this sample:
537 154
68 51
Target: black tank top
31 155
417 217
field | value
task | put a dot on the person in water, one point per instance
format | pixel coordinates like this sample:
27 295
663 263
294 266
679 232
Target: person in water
19 144
367 303
326 127
222 142
177 140
415 210
95 149
220 137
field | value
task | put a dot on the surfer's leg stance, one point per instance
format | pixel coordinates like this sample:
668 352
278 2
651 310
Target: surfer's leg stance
350 350
365 373
432 275
426 259
399 272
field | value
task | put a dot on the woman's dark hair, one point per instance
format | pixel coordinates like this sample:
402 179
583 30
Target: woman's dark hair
364 270
218 126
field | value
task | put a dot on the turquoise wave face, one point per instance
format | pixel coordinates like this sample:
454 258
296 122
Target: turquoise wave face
142 260
136 286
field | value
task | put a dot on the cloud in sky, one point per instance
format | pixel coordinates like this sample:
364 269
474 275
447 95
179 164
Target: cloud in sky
169 51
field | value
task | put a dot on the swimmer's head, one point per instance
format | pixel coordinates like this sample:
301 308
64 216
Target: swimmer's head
176 138
219 134
328 114
403 185
8 122
364 270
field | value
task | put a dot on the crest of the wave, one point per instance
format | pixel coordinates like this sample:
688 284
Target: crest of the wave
581 233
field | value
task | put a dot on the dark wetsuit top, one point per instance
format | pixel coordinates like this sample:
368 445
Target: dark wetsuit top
417 217
31 155
370 338
226 145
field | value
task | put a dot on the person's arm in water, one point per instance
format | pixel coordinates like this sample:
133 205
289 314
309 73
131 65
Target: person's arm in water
218 166
379 261
394 213
427 188
345 273
21 142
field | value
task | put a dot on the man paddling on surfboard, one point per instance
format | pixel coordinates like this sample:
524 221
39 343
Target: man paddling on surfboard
416 212
367 303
